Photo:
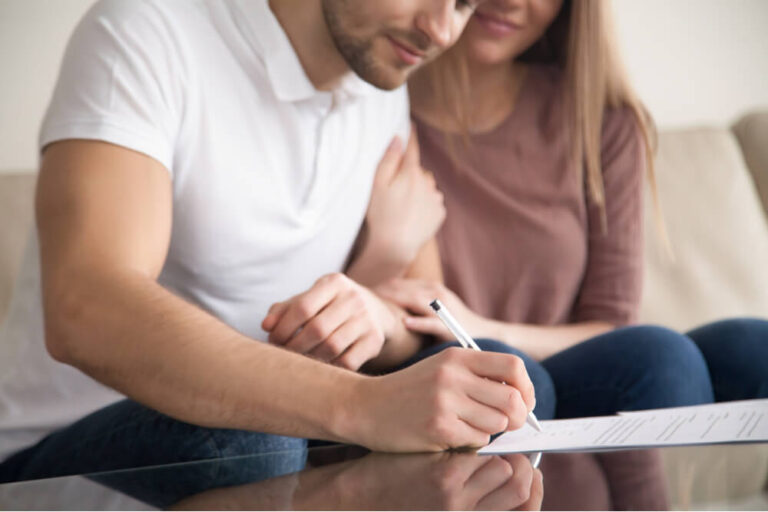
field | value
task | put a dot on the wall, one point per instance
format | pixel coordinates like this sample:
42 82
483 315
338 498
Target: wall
696 61
33 34
692 61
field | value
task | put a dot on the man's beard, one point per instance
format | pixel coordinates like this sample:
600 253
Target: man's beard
357 52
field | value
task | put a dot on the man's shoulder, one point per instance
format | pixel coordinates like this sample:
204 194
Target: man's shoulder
138 18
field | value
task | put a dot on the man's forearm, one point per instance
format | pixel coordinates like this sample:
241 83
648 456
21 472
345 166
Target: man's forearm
131 334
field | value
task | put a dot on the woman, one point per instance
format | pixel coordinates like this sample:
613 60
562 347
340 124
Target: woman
540 147
537 250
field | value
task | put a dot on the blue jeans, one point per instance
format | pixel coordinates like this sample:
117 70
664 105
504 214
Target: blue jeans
629 368
646 367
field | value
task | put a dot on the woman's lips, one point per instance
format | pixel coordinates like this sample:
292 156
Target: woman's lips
407 55
494 25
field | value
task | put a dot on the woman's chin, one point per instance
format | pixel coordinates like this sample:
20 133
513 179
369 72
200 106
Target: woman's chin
489 55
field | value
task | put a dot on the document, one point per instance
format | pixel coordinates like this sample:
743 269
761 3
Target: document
744 421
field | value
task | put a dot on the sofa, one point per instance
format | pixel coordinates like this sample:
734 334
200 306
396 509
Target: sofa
713 186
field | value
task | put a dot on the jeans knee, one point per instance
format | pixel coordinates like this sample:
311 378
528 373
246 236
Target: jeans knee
669 362
233 443
746 333
543 386
736 352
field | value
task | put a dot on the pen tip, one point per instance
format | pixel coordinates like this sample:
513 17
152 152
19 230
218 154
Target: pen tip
532 421
435 304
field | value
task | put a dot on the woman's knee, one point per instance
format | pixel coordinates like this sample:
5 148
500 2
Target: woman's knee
542 382
745 333
736 352
668 361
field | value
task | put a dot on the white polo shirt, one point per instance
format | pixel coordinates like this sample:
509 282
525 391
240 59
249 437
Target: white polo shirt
271 178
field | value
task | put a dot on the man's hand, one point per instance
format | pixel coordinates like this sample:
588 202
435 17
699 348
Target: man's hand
336 321
453 399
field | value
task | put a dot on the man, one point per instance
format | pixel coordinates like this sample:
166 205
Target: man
203 161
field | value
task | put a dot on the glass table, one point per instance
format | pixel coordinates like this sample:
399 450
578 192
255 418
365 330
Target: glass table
344 477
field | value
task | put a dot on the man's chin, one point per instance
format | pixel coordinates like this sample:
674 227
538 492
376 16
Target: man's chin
385 79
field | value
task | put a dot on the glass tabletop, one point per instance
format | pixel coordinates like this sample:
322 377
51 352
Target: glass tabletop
347 477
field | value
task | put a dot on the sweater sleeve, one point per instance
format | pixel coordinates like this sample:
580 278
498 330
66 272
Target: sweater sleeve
612 285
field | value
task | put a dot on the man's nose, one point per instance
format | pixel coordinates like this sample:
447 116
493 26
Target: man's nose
436 21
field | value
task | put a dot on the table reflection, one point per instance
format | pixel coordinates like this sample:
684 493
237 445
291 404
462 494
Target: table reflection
345 477
378 481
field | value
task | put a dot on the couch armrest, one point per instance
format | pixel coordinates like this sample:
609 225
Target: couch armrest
752 133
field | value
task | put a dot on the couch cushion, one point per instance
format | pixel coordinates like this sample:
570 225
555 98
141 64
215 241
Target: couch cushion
16 198
718 231
752 133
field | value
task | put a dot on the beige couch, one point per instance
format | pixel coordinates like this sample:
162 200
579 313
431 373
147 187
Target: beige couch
711 184
714 189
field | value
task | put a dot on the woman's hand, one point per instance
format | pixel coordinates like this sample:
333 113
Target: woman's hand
406 208
414 295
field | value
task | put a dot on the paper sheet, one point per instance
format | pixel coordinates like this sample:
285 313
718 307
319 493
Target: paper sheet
727 422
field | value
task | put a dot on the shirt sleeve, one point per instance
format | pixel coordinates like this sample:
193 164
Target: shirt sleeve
120 82
612 285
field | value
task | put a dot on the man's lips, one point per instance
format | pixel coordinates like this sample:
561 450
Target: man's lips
406 53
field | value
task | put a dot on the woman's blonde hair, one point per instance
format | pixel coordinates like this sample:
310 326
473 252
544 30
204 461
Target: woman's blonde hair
582 43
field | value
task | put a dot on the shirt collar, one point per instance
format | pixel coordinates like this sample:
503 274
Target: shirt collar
284 70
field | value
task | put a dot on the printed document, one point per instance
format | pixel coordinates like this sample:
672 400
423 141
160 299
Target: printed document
726 422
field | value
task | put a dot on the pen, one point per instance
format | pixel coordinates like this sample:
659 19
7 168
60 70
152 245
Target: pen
467 342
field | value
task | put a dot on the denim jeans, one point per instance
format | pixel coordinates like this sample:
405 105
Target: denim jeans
626 369
646 367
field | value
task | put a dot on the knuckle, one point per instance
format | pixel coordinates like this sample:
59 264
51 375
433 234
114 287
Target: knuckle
335 345
357 298
452 354
318 330
517 414
500 423
348 362
443 378
503 468
304 308
439 429
516 364
341 279
334 278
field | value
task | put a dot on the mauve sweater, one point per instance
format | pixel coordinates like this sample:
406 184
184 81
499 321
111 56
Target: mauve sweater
522 242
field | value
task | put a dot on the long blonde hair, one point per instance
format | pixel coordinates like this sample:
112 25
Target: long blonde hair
582 43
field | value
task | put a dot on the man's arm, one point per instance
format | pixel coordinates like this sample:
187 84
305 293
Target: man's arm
104 219
104 216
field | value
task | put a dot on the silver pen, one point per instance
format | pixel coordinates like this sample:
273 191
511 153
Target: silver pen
467 342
